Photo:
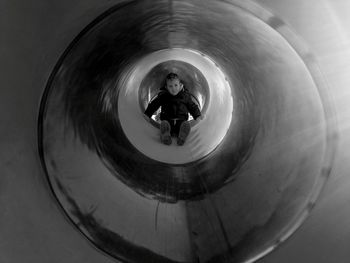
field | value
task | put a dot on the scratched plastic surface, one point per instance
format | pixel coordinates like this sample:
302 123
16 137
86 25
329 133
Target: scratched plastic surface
233 192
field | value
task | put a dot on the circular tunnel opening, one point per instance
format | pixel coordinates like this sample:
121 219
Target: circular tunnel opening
203 78
234 201
191 77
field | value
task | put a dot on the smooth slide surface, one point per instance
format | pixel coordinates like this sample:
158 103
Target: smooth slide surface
204 137
247 177
250 171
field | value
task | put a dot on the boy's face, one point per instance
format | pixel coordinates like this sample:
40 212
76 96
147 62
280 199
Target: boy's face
174 86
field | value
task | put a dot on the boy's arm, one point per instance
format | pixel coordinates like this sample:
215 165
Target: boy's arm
193 108
153 106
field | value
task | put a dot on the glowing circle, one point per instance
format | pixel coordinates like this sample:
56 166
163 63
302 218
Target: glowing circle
204 137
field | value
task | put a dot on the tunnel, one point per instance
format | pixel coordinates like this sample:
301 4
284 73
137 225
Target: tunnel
249 173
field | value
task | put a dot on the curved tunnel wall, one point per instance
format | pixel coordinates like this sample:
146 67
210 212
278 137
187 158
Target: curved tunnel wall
272 87
262 133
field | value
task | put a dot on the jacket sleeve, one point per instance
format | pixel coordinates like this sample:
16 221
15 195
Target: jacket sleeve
193 108
153 105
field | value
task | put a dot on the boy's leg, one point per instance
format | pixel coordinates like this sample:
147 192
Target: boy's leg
165 136
184 131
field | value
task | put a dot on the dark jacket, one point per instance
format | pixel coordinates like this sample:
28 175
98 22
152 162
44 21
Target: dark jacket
173 107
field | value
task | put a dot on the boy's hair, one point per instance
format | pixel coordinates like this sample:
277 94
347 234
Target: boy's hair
172 76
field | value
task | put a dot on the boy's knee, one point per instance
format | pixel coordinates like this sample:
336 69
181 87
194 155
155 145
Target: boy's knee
165 125
164 122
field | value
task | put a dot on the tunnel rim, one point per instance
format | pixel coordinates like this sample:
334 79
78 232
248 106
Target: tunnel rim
249 6
217 88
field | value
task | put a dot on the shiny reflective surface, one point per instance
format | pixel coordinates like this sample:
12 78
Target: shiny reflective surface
205 136
229 205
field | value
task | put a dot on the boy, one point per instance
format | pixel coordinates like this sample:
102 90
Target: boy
176 103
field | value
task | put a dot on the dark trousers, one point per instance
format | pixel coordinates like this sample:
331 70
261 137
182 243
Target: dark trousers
175 126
